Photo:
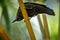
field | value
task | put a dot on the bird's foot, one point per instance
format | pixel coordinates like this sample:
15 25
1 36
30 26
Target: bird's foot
28 19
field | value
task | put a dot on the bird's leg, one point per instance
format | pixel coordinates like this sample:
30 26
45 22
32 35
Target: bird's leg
28 19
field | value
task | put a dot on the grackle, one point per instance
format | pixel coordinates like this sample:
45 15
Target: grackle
33 9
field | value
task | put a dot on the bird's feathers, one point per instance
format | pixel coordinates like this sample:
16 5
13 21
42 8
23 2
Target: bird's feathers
34 9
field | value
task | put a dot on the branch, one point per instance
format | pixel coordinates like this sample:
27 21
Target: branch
46 31
29 27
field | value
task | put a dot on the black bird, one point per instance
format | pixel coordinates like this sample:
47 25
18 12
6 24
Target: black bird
33 9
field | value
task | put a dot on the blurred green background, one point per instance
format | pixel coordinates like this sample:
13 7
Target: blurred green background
18 30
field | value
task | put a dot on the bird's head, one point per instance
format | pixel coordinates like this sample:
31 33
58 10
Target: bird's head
47 10
50 12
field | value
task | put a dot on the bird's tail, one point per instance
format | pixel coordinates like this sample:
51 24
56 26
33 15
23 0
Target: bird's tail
13 21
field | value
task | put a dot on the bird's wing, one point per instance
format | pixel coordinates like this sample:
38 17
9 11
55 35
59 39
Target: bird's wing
30 6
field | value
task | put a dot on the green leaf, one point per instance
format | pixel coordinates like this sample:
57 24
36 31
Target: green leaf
6 17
